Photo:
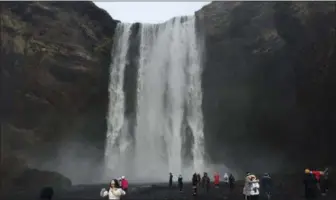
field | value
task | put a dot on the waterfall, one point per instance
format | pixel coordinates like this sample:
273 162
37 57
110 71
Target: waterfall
169 97
115 116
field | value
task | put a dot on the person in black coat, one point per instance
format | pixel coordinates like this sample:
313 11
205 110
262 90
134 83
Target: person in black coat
324 182
310 185
206 182
194 184
198 179
170 180
231 182
180 182
266 185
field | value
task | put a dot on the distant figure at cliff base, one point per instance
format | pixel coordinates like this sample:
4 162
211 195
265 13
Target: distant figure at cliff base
194 181
180 182
170 180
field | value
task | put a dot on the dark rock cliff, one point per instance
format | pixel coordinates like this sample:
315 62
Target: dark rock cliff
55 60
269 83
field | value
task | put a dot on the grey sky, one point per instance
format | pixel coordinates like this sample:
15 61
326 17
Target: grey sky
149 12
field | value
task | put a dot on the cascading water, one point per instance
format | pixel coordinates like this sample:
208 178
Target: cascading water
115 122
168 96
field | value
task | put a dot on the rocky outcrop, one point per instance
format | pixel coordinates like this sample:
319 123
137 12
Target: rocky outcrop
55 60
269 83
14 172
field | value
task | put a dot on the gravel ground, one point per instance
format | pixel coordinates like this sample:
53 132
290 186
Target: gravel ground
162 192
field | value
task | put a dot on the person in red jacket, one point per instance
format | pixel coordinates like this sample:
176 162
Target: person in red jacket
124 183
317 174
216 180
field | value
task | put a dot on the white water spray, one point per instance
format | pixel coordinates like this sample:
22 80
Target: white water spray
169 90
115 120
194 101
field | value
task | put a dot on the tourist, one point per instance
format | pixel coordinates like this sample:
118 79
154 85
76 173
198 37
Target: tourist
318 174
198 179
180 182
251 188
310 185
324 183
124 183
266 185
226 178
216 179
170 180
194 184
246 185
114 193
226 181
231 182
203 179
206 182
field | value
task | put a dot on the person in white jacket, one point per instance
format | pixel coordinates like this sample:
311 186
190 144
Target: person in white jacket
245 185
114 193
251 188
226 178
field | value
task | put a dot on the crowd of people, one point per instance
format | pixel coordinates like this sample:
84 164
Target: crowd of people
316 183
203 182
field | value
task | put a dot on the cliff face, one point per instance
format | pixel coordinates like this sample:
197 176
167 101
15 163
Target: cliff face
55 60
269 91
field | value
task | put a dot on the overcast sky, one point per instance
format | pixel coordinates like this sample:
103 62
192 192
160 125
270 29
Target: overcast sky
149 12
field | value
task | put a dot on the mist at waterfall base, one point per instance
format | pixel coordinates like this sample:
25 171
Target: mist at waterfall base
167 132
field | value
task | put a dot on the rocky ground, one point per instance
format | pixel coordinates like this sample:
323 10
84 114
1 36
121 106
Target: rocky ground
162 192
